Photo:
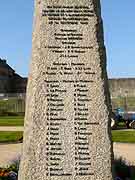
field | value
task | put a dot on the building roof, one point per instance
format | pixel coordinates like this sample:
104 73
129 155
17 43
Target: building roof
3 64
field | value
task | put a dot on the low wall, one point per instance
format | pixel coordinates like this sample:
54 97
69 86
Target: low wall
122 93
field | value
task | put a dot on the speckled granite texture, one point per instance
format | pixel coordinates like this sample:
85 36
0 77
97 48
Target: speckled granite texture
67 124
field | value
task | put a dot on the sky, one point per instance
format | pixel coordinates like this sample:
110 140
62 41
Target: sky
16 19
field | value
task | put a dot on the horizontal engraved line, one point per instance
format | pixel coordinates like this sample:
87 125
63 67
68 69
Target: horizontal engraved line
51 81
54 174
56 169
92 123
85 174
84 133
56 154
84 164
69 7
58 119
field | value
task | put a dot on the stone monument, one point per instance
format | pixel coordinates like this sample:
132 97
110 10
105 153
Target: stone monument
67 124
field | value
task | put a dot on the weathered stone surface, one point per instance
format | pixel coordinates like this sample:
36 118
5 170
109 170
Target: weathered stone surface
67 134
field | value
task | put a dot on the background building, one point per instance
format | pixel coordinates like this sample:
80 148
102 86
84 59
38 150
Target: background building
12 85
122 87
10 82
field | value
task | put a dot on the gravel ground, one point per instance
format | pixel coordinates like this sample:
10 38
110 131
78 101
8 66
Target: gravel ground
9 152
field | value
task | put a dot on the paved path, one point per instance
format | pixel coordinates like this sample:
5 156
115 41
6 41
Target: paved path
125 150
11 128
124 130
8 152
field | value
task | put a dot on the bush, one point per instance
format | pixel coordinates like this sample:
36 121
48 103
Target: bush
5 173
123 170
4 178
15 165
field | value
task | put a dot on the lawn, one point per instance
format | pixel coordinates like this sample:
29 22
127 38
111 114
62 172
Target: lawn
10 136
11 120
117 135
123 136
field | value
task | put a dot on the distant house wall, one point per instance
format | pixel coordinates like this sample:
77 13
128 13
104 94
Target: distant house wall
19 84
124 87
4 84
10 82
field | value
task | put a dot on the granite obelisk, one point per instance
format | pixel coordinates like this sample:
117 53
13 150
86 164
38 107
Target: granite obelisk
67 122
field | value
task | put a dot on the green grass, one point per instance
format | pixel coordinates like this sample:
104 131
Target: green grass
10 136
117 136
9 100
11 120
123 136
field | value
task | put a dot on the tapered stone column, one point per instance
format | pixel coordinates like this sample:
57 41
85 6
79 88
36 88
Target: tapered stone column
67 122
